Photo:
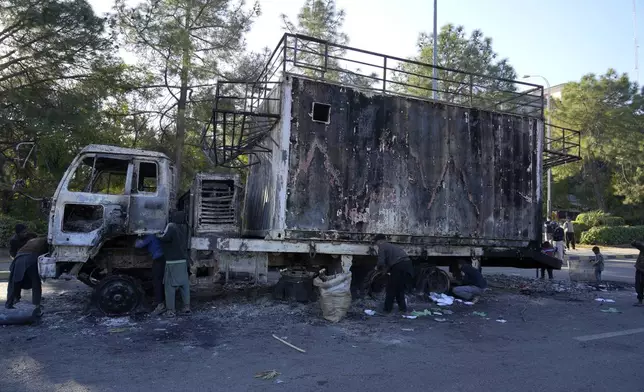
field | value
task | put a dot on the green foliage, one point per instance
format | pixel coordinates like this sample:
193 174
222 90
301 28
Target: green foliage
458 51
580 227
608 111
59 83
599 218
186 47
323 20
615 235
8 225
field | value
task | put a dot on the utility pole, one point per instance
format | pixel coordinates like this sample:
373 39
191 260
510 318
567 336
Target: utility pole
434 70
549 136
637 68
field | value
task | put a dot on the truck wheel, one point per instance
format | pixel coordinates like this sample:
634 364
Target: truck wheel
433 280
117 295
375 282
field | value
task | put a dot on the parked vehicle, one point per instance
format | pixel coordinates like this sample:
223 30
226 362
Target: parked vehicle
331 163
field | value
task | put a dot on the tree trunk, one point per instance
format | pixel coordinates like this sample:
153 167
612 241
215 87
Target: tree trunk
596 177
183 98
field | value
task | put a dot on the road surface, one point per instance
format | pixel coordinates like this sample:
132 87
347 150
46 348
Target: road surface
554 343
615 270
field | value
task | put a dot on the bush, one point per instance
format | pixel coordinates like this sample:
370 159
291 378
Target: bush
8 228
591 218
612 221
612 235
599 218
580 227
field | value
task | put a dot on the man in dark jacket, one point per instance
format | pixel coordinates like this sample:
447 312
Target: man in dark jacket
174 241
152 243
23 273
473 283
639 272
19 239
401 270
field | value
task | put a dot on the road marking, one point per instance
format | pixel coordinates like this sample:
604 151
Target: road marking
608 335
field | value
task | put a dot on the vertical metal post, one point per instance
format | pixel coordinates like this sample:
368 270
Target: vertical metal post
471 92
384 76
434 70
326 59
548 137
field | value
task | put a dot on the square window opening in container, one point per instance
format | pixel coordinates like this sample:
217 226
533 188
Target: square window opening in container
321 112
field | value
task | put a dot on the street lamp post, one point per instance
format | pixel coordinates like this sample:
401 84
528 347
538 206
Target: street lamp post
549 133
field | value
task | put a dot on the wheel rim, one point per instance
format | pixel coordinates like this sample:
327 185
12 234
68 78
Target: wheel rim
118 296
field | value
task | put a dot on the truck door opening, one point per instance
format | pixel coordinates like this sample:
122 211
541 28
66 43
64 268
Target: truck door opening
95 175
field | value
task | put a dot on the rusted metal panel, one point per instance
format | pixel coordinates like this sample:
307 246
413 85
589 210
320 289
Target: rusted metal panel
114 150
216 203
423 171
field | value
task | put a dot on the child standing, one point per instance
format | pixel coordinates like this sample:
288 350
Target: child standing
598 264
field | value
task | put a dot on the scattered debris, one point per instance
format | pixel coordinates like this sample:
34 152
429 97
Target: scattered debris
447 311
421 314
370 312
480 314
409 316
611 310
267 375
278 381
117 322
531 286
440 320
289 344
407 329
468 303
118 330
604 300
441 299
502 321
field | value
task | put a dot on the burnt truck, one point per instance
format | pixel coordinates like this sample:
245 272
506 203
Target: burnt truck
334 145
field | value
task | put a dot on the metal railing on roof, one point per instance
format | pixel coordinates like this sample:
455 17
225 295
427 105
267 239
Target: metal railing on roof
319 59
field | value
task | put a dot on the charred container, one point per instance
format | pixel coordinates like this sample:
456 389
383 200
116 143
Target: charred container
355 164
345 158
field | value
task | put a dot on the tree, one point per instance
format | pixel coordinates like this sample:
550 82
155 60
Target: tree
609 110
321 19
187 45
56 74
456 51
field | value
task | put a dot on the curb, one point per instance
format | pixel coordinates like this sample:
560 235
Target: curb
4 275
588 258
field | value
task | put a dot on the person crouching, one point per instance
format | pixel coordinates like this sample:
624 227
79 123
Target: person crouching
473 285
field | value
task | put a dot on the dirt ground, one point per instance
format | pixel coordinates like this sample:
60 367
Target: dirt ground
523 335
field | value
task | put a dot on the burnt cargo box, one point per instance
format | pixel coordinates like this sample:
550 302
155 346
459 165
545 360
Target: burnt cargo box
347 164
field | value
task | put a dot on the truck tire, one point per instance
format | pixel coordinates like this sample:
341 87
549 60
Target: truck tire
117 295
432 280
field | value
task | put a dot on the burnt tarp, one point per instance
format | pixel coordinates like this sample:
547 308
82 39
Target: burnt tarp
420 171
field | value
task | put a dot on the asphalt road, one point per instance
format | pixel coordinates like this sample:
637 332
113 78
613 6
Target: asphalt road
549 343
615 270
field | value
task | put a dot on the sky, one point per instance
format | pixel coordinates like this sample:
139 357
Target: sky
559 40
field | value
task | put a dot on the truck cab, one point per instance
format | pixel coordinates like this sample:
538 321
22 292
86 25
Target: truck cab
108 195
